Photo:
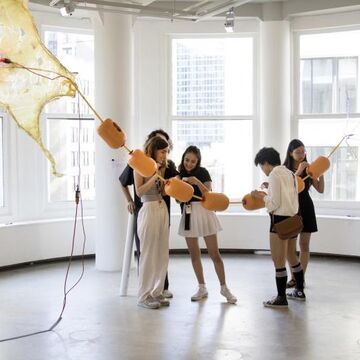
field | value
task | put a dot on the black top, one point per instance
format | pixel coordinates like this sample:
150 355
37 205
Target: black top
202 174
306 207
127 179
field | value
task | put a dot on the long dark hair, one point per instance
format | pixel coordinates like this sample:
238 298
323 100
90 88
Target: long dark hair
289 160
194 150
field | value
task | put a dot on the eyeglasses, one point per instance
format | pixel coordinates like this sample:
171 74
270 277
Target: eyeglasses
299 152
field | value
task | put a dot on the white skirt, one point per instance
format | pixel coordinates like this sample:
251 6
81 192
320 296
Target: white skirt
202 222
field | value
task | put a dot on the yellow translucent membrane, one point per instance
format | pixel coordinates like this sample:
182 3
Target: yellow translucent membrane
23 93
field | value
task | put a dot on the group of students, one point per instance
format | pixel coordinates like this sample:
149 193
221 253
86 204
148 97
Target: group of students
151 208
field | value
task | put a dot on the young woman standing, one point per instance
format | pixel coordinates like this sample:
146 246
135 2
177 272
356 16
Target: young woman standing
296 161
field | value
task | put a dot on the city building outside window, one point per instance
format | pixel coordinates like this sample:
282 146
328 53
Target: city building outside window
213 107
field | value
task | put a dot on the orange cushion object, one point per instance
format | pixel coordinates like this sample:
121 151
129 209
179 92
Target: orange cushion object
318 167
215 201
250 203
141 163
179 189
300 183
112 134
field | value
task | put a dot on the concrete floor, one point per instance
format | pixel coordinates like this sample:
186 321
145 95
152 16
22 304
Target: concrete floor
98 324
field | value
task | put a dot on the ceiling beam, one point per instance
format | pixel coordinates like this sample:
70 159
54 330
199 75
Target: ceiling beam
218 8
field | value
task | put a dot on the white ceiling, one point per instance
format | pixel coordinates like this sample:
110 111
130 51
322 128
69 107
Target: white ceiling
197 10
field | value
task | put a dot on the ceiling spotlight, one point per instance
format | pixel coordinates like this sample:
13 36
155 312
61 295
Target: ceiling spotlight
229 20
67 9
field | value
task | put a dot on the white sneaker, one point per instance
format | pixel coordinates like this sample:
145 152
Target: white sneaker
162 300
167 294
200 294
231 299
149 303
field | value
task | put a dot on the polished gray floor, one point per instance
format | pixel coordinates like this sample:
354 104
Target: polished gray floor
98 324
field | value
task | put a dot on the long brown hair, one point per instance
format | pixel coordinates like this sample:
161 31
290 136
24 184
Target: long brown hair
154 144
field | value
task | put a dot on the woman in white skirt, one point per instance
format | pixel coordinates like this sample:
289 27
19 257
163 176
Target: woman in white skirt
153 229
196 221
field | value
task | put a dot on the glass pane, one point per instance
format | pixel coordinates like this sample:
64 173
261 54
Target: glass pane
322 82
76 53
342 180
347 84
212 77
231 170
306 86
1 164
334 77
64 136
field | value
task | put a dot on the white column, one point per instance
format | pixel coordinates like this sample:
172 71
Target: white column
114 99
275 85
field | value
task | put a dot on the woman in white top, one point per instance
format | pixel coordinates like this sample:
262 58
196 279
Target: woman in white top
281 202
153 229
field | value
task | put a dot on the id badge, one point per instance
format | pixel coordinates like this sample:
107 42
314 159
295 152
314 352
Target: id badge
188 209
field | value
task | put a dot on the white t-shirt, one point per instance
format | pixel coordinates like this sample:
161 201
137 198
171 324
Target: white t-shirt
282 198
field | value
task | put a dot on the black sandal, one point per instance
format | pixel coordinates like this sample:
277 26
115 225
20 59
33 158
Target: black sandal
290 284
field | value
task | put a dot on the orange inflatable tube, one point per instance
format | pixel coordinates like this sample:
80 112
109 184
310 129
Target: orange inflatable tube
215 201
251 203
318 167
141 163
179 189
110 132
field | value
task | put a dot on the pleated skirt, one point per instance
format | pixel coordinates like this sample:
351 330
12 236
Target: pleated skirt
202 222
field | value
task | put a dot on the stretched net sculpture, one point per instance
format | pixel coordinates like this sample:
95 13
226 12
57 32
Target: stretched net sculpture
30 76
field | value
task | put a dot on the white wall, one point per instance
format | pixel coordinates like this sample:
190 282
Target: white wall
38 240
336 235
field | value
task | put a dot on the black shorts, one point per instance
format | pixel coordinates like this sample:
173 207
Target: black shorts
274 219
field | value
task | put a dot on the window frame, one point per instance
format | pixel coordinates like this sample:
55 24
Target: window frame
326 207
10 183
254 117
60 208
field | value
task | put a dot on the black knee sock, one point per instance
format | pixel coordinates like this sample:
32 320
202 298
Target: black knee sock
281 279
299 276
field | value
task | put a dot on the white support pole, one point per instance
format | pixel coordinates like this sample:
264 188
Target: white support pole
114 99
127 256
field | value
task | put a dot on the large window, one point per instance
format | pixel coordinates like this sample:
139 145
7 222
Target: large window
212 107
69 139
328 107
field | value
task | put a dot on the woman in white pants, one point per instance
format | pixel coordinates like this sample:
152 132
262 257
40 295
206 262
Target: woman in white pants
153 229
